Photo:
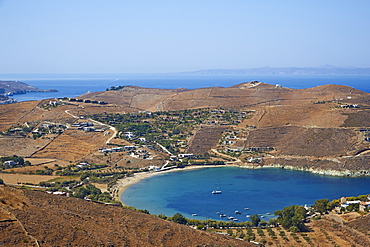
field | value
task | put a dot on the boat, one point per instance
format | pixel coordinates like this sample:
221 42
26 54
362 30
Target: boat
237 212
268 213
246 208
235 219
194 214
218 191
222 215
230 218
247 216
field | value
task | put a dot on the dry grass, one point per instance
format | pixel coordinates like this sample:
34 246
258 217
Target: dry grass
25 178
57 220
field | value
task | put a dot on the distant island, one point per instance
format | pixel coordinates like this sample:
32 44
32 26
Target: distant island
9 88
324 70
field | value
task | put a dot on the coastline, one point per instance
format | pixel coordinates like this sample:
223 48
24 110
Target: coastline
124 183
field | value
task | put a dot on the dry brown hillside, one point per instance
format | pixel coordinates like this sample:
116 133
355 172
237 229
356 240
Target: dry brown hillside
27 217
305 124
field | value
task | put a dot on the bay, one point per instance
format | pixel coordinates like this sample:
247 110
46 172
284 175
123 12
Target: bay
263 191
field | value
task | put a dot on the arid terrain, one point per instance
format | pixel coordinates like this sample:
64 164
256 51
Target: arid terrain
112 133
33 218
314 126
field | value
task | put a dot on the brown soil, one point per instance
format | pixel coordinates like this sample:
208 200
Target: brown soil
331 230
205 139
25 178
72 145
53 220
318 142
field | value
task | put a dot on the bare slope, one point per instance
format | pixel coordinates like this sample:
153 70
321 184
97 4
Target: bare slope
60 221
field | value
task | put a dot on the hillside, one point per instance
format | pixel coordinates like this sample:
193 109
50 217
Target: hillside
28 216
98 138
312 127
17 87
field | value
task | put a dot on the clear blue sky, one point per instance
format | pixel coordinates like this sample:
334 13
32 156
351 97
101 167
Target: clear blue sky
121 36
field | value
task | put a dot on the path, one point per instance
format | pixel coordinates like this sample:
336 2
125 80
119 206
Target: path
97 122
22 226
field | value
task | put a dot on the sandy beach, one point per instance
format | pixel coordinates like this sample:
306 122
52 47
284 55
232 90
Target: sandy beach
124 183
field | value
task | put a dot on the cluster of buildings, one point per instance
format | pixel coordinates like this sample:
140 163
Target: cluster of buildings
141 154
344 203
130 136
87 127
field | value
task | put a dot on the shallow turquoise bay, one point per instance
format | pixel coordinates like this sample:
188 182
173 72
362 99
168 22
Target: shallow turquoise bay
263 191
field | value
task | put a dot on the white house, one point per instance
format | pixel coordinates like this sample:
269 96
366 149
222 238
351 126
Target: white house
189 156
9 163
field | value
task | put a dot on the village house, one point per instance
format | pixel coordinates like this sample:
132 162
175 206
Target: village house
349 106
173 158
89 129
362 205
82 164
129 135
9 163
188 156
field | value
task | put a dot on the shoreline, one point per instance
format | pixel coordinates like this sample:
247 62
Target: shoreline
124 183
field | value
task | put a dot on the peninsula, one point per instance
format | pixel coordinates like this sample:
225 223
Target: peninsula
9 88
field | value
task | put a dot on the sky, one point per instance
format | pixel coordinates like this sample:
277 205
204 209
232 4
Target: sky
146 36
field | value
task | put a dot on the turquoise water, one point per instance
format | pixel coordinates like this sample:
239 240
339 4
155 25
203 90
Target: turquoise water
261 190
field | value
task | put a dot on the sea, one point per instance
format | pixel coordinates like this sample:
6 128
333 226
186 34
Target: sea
248 191
73 85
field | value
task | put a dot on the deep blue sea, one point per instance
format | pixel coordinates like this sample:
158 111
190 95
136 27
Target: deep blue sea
263 191
73 85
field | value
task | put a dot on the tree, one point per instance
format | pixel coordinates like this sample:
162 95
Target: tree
273 222
179 218
292 216
255 220
321 205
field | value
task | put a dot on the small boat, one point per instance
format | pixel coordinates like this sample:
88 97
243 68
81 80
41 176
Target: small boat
194 214
237 212
268 213
246 208
218 213
230 218
247 216
218 191
222 215
235 219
